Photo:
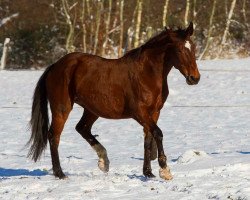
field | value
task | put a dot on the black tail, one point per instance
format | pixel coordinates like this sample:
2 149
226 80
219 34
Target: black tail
39 122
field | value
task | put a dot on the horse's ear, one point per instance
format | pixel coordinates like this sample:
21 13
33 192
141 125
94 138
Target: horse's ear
190 29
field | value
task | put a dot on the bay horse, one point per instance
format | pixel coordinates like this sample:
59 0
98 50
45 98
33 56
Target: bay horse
133 86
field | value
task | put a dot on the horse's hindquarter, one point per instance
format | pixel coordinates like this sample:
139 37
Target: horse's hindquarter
100 86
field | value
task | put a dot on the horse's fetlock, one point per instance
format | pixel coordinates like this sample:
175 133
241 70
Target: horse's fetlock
163 158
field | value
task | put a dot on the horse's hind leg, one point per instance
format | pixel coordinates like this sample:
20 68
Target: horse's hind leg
58 120
84 128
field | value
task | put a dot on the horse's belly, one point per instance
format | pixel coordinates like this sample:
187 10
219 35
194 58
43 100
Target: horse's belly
103 105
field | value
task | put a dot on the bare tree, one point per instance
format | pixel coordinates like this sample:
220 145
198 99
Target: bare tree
194 12
138 23
244 12
130 32
121 27
224 37
70 38
107 24
209 31
149 32
226 6
187 12
84 45
98 20
91 25
165 11
4 55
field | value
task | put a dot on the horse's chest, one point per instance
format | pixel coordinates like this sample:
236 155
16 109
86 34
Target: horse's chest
155 98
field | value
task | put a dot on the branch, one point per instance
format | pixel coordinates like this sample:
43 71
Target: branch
7 19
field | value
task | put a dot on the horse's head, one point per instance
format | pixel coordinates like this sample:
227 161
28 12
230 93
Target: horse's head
183 55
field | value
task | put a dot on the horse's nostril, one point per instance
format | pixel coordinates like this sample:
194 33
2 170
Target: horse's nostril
192 78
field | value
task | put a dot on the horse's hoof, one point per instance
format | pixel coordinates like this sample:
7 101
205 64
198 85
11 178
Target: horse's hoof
60 175
165 173
63 177
149 175
103 164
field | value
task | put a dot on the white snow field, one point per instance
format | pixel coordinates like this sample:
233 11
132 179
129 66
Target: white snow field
206 138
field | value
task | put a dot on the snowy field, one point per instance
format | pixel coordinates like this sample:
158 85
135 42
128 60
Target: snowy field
206 138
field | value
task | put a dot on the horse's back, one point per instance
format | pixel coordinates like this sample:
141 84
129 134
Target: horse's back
101 86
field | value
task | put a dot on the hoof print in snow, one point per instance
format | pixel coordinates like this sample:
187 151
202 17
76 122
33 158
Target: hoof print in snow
191 156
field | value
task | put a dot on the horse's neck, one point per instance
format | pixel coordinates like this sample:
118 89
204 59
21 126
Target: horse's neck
155 62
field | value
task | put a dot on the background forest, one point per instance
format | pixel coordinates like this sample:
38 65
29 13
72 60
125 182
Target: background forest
41 31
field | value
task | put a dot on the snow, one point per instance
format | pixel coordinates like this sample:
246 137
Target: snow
191 156
206 138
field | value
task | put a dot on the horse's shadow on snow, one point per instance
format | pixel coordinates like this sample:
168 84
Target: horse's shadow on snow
244 152
139 177
21 172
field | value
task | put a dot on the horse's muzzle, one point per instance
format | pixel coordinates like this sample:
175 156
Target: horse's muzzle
191 80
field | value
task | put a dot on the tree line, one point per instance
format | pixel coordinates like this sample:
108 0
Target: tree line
42 31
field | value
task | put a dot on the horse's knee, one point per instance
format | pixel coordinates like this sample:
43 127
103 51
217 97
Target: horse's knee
157 133
81 128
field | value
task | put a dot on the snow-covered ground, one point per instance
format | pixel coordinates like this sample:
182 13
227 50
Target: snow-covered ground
206 137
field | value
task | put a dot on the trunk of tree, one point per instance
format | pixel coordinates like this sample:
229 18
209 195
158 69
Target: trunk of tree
224 37
165 11
209 31
88 7
90 26
107 24
4 55
120 52
244 12
129 39
138 23
70 38
226 7
187 12
194 12
130 33
84 45
98 20
149 32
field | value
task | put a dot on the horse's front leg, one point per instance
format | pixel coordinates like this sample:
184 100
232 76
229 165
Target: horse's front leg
162 159
151 127
153 145
148 139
